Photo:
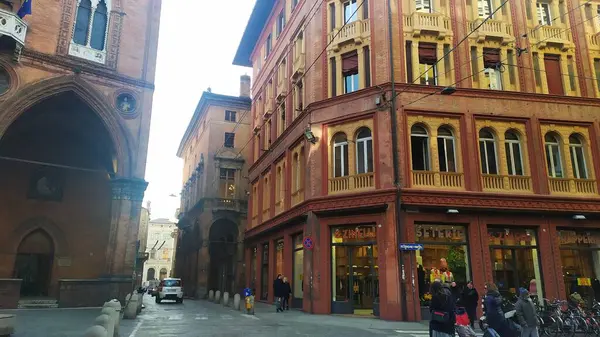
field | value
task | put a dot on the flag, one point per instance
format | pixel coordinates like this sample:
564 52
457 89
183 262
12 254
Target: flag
25 9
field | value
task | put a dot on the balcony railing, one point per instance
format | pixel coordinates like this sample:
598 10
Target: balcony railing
492 28
349 183
353 32
297 197
437 179
223 204
552 34
11 25
594 41
430 22
573 186
494 182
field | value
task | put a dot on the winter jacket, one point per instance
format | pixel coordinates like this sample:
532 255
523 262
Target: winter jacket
278 288
495 315
526 311
443 302
287 289
470 298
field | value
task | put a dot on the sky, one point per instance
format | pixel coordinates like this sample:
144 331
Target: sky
197 42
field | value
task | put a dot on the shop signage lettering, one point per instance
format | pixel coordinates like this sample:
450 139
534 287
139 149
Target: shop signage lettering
356 233
507 237
435 232
574 238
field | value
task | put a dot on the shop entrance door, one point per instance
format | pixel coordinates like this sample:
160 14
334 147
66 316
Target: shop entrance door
363 279
513 268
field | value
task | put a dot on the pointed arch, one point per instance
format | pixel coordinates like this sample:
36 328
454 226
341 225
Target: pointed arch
35 93
61 246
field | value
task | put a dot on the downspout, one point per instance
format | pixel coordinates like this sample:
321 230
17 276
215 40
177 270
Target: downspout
396 166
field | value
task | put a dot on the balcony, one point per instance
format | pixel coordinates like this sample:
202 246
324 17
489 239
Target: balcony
298 66
573 186
279 206
353 32
222 204
594 41
500 183
297 197
351 183
282 88
552 35
492 30
11 25
433 23
266 213
450 180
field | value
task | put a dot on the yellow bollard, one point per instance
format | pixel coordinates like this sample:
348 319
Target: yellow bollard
250 305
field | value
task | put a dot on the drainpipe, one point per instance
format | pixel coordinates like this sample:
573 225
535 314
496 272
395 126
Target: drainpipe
396 165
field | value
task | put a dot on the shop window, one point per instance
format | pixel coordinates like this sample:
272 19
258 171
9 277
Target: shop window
427 63
299 99
487 152
514 159
492 68
264 273
580 259
279 257
445 257
577 157
355 272
298 270
423 6
227 183
350 11
446 151
543 13
419 143
484 8
340 155
553 155
364 151
350 71
515 260
553 74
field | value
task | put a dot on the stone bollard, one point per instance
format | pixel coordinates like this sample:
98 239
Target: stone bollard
211 295
225 298
218 296
236 301
96 331
140 302
131 306
116 305
104 321
112 315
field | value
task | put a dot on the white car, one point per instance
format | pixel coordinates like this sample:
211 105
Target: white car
170 289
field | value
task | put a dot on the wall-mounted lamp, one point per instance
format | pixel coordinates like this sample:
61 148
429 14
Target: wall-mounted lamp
309 135
452 211
579 217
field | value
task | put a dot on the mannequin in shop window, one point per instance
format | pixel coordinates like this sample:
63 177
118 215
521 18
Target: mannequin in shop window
447 275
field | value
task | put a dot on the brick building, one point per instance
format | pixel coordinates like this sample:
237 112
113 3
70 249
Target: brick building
213 211
76 82
493 147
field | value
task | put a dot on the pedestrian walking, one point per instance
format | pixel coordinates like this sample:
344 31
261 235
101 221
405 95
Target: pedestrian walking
470 299
286 292
442 309
525 311
277 292
494 313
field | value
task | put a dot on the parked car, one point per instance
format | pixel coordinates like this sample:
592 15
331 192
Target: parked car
170 289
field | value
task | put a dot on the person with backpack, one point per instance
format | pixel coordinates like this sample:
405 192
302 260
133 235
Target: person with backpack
526 314
442 309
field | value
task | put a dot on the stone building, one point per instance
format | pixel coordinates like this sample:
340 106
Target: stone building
76 87
142 243
212 216
161 249
371 131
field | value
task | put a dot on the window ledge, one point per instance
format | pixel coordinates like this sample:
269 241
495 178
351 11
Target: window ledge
87 53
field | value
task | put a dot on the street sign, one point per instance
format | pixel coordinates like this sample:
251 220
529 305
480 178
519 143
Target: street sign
411 246
307 242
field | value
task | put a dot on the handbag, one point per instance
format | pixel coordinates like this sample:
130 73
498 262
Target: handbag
440 316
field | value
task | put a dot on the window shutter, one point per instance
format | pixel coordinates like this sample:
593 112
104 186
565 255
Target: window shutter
553 75
350 63
491 57
427 53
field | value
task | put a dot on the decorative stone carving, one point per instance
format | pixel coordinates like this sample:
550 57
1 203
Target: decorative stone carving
126 103
128 189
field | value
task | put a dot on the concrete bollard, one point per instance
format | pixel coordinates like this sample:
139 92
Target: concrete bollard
211 295
104 321
218 296
96 331
131 306
112 315
225 298
236 301
140 302
116 305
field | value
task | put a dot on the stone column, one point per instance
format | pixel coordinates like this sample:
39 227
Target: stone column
127 196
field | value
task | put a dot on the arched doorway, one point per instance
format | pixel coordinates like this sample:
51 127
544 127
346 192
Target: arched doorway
33 263
151 274
163 273
222 249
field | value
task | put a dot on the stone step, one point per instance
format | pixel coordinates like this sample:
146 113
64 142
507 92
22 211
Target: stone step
37 304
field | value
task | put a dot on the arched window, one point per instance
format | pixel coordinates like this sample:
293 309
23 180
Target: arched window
514 158
487 152
151 274
364 151
82 22
446 152
577 157
419 142
340 155
163 273
553 155
99 26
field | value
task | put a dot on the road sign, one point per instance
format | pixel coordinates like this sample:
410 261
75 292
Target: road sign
307 242
411 246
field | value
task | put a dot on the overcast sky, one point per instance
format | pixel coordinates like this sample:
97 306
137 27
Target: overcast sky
198 40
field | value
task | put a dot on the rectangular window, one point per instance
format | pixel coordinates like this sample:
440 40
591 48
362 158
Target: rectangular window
350 9
280 22
229 139
543 13
333 77
367 60
332 16
230 115
409 62
484 8
553 74
268 46
427 63
350 71
365 9
423 6
227 183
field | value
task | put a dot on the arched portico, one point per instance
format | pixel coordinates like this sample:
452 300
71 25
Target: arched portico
223 245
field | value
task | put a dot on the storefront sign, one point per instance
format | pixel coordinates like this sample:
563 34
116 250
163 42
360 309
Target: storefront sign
511 237
584 281
425 232
359 233
578 238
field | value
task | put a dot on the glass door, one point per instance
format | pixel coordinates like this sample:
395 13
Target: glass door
364 279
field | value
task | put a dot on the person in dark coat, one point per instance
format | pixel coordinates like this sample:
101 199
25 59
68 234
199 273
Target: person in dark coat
455 292
278 292
494 313
286 292
470 299
526 313
442 302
